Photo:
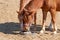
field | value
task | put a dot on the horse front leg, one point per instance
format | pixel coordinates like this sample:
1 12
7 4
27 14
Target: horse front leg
32 18
44 20
35 22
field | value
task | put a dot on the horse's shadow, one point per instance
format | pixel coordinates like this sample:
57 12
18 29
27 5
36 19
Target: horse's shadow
9 27
14 28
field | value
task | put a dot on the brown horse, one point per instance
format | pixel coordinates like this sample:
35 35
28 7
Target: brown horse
31 7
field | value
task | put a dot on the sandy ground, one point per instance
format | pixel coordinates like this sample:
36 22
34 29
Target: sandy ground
9 27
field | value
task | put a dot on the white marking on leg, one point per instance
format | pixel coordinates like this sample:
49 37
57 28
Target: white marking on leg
41 31
55 27
55 32
43 27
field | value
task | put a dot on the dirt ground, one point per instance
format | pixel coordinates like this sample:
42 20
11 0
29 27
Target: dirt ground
9 24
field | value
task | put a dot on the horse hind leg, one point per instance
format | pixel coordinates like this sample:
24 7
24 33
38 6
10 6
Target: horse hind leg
53 20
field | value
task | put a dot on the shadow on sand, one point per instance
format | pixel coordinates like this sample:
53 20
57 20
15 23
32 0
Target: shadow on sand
14 28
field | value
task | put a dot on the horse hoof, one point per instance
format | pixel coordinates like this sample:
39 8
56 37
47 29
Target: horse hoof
55 32
41 31
22 33
27 32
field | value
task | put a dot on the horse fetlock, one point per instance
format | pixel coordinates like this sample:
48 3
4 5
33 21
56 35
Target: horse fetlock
42 31
55 32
